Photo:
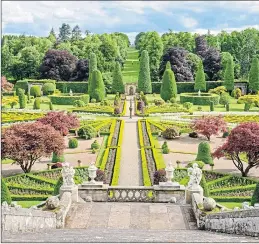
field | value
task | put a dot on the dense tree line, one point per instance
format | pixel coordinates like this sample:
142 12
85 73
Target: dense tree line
22 56
214 50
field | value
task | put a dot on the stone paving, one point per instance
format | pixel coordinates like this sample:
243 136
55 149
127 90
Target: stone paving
145 216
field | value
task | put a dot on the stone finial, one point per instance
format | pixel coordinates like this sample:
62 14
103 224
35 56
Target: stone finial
68 173
245 205
92 172
169 172
195 174
209 203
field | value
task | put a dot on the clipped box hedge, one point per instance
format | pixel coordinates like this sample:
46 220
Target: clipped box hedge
66 99
75 86
23 84
43 81
204 99
189 86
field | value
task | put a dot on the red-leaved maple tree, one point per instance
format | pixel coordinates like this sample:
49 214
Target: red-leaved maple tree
209 125
5 85
26 143
61 121
243 140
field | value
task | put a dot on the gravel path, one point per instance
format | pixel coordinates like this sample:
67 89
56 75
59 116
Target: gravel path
130 167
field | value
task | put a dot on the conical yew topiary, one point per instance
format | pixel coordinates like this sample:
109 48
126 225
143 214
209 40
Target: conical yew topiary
200 83
144 80
168 88
117 84
97 86
254 76
204 153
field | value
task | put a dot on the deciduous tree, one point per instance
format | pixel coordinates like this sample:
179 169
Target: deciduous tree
61 121
209 126
26 143
243 139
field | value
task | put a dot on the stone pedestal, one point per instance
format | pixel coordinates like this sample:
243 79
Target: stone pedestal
190 191
165 193
97 191
72 189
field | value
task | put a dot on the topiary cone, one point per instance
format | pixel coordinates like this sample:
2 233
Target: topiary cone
204 153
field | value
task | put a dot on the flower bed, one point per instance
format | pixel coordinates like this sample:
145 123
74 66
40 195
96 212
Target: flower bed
203 99
11 117
98 109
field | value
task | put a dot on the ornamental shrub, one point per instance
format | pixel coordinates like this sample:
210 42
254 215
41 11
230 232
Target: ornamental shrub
144 79
87 132
57 186
79 103
224 98
97 86
35 91
48 88
165 149
173 100
200 83
159 102
225 134
57 158
187 105
211 106
73 143
144 99
22 84
5 193
37 102
159 176
204 153
117 84
22 98
50 106
95 145
200 164
218 90
247 106
170 133
254 76
193 135
237 93
255 197
168 88
93 100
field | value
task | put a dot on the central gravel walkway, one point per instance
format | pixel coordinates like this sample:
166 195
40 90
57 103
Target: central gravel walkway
130 167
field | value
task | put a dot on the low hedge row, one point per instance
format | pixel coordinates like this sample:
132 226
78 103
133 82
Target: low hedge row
140 134
199 100
101 152
189 86
224 191
112 129
145 173
41 179
76 87
231 199
68 100
116 169
95 109
29 197
152 144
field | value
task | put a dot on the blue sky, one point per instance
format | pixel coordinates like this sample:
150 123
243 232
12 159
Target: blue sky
130 17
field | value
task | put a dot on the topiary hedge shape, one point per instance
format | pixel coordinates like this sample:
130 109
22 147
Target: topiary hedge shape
255 197
57 186
5 193
95 145
57 158
204 153
87 132
73 143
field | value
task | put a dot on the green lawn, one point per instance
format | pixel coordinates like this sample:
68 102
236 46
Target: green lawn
231 205
7 161
131 67
28 204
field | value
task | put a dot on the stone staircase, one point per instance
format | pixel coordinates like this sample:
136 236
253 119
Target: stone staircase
101 235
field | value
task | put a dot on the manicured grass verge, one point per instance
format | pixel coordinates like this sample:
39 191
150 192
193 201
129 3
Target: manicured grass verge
28 204
101 151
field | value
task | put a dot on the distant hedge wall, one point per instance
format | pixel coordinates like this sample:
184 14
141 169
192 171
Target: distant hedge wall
76 87
199 100
68 100
189 86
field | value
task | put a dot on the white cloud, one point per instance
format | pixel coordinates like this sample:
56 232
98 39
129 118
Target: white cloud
188 22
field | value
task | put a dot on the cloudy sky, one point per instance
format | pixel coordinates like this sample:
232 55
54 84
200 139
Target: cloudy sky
130 17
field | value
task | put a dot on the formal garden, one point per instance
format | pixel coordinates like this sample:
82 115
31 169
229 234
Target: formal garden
194 104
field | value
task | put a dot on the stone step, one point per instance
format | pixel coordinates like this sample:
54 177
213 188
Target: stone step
121 236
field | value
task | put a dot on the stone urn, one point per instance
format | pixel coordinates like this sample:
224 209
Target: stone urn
52 202
209 203
169 172
92 172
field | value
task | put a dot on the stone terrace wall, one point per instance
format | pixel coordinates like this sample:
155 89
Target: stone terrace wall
244 222
22 219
